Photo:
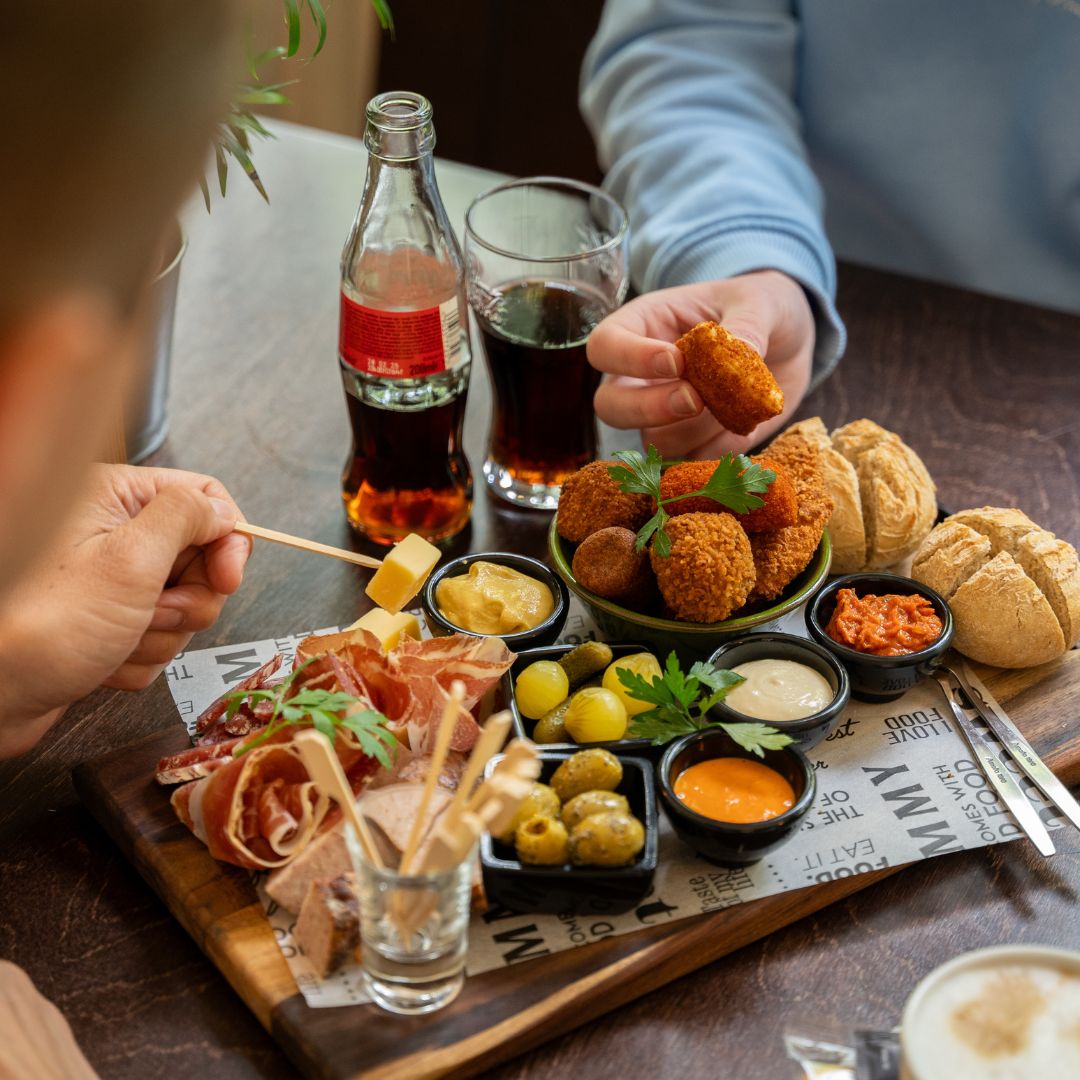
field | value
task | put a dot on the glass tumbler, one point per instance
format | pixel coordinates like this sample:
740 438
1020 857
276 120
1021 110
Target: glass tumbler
545 261
414 933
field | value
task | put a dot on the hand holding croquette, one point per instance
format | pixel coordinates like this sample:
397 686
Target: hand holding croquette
647 387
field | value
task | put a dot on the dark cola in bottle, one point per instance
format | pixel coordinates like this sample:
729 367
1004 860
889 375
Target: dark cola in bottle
404 339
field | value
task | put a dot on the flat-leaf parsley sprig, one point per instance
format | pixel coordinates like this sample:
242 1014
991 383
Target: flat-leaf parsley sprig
736 483
323 710
681 704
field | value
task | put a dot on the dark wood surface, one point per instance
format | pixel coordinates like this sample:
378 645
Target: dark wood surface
986 390
500 1013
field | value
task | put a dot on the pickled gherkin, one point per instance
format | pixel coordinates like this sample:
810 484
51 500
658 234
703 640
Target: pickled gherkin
585 660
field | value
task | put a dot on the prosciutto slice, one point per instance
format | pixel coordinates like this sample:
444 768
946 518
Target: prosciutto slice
259 810
429 669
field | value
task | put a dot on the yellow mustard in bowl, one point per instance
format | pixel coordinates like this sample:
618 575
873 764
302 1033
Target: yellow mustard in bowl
494 599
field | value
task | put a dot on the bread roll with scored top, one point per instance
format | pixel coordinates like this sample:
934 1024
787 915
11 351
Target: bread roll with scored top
846 529
1053 565
1003 526
949 556
1003 619
899 500
1014 588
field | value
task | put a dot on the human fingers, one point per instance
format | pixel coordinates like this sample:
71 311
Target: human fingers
635 403
225 560
158 647
681 439
176 518
190 607
132 677
618 349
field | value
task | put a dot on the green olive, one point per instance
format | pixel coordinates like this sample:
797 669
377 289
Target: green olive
611 838
541 841
592 802
589 770
540 802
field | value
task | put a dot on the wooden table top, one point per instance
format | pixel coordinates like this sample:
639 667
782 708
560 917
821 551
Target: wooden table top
987 392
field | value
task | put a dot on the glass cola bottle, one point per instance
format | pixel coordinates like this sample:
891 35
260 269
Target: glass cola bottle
403 346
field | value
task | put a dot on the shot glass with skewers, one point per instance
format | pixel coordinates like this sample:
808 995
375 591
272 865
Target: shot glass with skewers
412 967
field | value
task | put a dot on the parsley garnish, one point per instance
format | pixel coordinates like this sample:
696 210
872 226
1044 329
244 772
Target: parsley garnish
320 709
681 704
733 484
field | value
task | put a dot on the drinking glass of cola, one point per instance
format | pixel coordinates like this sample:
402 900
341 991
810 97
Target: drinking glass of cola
546 260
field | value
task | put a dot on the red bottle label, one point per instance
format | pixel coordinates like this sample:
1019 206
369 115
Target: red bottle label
400 344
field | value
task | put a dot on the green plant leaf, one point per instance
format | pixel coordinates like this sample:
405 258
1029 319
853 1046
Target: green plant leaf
318 17
292 21
660 726
734 482
757 738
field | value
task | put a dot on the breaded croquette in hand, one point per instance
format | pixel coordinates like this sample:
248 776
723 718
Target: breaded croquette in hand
710 570
590 500
780 505
731 377
608 563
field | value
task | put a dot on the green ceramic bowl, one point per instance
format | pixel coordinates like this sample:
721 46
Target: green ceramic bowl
691 641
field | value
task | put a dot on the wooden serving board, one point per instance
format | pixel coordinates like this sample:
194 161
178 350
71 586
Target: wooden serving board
500 1013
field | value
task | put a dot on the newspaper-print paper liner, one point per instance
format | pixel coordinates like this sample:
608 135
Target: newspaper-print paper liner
896 784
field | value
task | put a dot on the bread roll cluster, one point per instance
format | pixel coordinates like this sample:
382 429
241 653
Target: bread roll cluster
1014 588
884 500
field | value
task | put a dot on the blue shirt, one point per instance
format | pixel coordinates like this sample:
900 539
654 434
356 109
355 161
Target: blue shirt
939 138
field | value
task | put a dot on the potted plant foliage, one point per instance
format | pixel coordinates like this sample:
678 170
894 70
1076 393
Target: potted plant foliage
146 418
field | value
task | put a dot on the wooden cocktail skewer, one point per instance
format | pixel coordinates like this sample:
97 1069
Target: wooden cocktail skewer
451 711
489 743
247 529
324 768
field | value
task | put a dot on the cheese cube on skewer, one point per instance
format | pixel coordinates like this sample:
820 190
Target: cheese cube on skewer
389 629
403 573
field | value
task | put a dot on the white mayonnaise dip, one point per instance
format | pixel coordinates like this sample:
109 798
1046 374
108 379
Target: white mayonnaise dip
779 690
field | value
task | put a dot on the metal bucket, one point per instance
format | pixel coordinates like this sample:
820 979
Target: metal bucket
146 418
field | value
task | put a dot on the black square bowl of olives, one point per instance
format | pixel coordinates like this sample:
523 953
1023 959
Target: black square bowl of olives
575 887
534 728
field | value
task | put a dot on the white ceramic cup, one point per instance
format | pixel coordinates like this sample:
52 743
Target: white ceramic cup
924 1058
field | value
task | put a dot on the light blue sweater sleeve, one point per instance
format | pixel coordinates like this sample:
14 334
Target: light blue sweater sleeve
691 103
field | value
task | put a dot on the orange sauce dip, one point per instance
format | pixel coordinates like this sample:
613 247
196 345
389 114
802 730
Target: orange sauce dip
888 625
735 790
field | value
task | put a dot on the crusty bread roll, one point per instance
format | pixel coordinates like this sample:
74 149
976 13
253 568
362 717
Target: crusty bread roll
1014 588
846 529
885 501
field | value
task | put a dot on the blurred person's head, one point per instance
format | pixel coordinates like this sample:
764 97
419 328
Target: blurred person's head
109 110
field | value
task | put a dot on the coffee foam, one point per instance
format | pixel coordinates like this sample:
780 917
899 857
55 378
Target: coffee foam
998 1022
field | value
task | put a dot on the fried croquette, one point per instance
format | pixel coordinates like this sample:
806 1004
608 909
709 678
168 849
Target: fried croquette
710 570
608 564
590 500
780 556
779 509
731 377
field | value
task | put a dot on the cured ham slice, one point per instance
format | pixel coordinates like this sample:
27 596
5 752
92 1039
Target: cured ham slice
430 668
259 810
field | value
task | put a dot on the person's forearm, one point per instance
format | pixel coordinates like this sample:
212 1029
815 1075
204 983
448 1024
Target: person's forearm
691 103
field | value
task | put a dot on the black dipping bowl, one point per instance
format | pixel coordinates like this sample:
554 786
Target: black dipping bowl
879 678
543 634
810 730
581 890
725 842
523 726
